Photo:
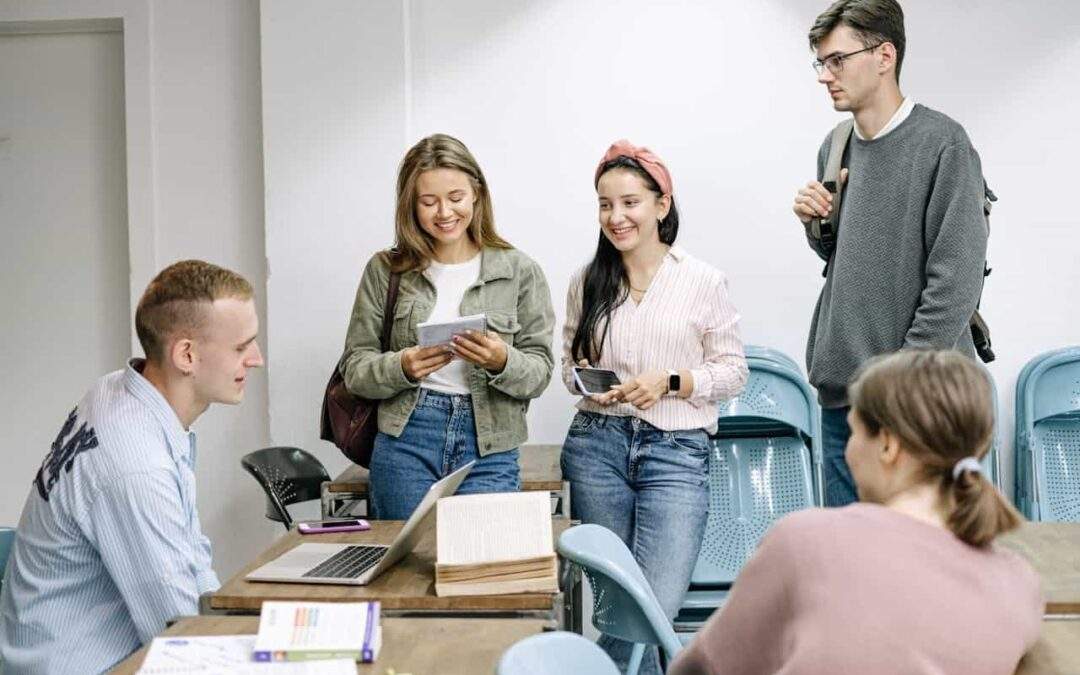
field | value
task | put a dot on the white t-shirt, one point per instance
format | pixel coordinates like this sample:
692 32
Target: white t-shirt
451 282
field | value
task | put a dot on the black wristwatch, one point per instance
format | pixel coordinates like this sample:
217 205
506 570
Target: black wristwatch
674 382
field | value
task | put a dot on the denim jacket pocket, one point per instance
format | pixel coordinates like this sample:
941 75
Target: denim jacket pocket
505 324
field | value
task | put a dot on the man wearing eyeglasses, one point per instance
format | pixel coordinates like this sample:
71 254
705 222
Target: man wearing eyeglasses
905 269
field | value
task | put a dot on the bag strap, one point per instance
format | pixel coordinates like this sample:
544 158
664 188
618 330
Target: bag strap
824 230
388 310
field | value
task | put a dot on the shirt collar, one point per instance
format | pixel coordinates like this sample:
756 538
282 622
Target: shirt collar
901 114
181 442
677 253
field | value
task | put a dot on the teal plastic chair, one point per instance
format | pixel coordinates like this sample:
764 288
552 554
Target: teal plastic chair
555 653
1048 437
7 541
764 463
624 605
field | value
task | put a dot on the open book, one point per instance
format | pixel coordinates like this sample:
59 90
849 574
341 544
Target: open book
494 544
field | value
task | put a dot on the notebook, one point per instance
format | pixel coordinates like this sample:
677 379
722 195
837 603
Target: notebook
306 631
227 655
495 544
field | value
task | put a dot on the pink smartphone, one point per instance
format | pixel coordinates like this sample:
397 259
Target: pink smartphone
318 527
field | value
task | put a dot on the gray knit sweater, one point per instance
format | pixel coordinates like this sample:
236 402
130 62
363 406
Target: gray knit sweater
907 271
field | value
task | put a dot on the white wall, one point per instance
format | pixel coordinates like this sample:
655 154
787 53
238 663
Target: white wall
723 91
194 159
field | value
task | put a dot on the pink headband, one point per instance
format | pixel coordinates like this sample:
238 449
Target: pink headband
652 164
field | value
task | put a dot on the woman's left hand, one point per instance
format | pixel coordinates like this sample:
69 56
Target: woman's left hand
645 389
486 350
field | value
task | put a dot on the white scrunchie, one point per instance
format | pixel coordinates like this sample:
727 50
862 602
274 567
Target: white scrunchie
966 464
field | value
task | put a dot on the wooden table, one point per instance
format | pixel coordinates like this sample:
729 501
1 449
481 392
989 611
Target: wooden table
1057 652
1053 549
407 588
416 646
540 472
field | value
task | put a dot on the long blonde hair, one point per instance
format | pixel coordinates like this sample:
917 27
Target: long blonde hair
939 405
414 247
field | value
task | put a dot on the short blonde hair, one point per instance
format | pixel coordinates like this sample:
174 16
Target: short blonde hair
939 404
175 302
439 151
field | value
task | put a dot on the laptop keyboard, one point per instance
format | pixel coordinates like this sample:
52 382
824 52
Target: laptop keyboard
348 563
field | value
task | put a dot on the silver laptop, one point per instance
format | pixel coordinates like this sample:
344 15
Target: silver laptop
358 564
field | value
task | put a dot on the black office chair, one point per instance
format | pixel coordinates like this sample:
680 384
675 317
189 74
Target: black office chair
287 475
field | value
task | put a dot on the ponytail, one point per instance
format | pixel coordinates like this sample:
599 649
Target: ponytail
977 511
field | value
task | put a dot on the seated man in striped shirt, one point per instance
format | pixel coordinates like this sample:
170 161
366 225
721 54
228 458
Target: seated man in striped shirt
109 546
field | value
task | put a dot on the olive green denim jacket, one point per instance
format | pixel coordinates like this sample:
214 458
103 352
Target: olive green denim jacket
514 295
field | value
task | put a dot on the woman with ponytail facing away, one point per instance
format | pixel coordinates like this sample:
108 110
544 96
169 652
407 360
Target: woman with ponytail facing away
908 580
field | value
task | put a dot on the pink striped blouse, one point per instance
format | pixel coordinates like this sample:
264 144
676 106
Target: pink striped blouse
685 321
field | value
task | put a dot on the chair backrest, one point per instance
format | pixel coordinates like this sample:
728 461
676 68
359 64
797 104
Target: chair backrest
624 605
7 542
1053 388
773 393
287 475
770 354
556 653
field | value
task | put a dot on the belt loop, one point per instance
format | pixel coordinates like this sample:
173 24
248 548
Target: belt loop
421 397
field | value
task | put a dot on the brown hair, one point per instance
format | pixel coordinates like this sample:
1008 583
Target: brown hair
939 404
414 248
874 22
175 302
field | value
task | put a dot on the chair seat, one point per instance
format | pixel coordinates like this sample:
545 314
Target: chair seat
1057 441
752 483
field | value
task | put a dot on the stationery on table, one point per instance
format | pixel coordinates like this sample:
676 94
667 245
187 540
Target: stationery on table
430 334
303 631
495 544
227 655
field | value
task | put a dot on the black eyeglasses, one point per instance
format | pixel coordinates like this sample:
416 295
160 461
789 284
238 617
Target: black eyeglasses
835 63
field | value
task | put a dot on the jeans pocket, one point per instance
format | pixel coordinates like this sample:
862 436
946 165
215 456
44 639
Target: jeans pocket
696 441
583 422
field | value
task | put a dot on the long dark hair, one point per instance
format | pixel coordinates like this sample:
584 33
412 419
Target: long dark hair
606 284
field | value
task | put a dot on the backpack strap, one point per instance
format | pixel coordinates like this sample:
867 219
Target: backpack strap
824 230
388 310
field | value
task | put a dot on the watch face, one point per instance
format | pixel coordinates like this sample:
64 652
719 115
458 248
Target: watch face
674 382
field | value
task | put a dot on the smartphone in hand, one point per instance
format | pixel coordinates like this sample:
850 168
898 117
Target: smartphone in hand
595 380
319 527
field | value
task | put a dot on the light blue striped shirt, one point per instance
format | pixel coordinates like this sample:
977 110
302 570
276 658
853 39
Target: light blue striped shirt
109 546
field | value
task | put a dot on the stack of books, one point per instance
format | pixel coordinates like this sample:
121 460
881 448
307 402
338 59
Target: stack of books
495 544
304 631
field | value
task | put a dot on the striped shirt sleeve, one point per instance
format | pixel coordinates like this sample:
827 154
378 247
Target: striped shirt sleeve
723 372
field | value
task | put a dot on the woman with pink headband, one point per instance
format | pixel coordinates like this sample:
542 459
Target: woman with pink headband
637 455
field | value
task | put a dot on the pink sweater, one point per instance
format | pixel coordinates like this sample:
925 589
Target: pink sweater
864 589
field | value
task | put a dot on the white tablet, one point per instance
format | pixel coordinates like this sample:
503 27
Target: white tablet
429 334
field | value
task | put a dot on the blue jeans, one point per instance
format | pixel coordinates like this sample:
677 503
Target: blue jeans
439 438
651 488
839 485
